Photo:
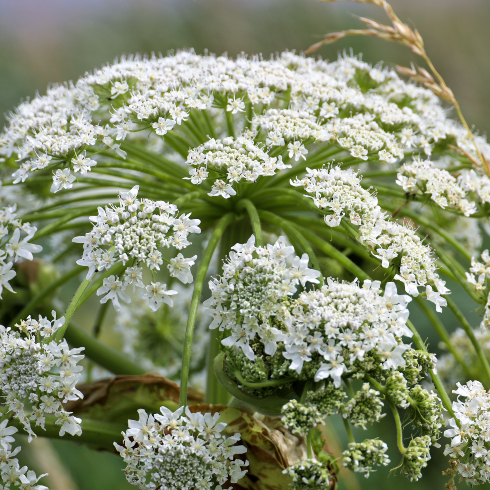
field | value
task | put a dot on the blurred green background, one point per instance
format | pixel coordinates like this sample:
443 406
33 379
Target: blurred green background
46 41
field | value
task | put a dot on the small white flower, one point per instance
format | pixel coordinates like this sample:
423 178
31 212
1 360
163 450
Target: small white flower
157 294
113 289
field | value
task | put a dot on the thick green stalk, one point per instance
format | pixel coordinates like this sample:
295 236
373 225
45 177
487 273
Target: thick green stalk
254 219
53 227
230 123
72 307
99 435
196 296
165 177
111 359
348 430
44 293
157 160
471 335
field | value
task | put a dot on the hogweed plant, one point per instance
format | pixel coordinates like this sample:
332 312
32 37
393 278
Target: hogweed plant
264 226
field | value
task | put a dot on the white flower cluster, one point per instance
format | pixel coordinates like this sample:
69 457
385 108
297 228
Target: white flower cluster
479 272
290 126
39 374
443 188
251 291
362 136
73 122
12 247
173 451
470 181
133 232
338 324
470 433
340 192
11 473
229 162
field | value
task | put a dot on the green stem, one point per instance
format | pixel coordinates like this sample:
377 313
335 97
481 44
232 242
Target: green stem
229 123
100 435
156 160
398 423
165 177
72 307
471 335
309 452
348 430
319 158
443 334
100 353
44 293
254 219
295 235
377 386
114 270
333 252
349 388
189 197
455 269
435 377
196 296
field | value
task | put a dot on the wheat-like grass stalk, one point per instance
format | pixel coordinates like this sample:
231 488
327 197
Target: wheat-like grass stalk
404 34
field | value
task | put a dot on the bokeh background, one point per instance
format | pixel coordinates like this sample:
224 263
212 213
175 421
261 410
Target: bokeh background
47 41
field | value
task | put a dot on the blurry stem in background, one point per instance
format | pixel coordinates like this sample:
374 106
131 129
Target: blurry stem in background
100 435
72 308
399 429
44 293
471 335
435 377
443 334
102 354
254 219
96 329
348 430
196 296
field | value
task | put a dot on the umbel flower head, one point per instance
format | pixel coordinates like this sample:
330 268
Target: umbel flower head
322 332
133 232
39 374
262 145
173 451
